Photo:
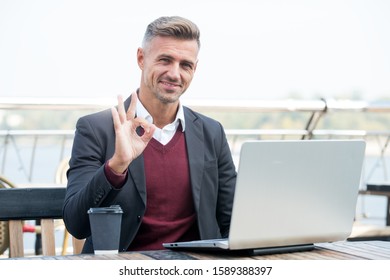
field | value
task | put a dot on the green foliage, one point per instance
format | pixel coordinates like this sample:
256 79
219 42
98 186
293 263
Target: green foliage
40 119
66 120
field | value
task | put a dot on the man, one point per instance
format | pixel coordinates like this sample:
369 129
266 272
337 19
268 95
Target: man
168 167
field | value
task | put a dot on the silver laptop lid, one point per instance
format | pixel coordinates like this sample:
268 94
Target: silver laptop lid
295 192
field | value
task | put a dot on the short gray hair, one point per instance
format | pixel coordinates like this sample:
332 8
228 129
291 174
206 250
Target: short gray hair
175 26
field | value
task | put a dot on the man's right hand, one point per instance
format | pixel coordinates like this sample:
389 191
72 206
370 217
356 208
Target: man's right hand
128 144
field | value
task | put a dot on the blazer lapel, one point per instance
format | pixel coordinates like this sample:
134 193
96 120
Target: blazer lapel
195 149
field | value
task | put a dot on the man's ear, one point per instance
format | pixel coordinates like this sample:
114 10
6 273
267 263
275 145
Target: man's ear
140 58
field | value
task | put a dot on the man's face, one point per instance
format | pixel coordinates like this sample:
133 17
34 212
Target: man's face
168 66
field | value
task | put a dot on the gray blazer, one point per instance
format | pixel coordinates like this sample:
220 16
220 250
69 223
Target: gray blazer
212 171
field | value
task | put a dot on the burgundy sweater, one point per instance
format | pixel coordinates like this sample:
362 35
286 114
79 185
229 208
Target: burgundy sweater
170 214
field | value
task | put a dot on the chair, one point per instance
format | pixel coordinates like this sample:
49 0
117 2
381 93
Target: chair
4 232
4 225
20 204
61 178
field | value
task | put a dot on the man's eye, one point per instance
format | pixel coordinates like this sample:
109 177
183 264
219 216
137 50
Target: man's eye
187 66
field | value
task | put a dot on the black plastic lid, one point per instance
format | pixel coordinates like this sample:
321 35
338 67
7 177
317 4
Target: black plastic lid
116 209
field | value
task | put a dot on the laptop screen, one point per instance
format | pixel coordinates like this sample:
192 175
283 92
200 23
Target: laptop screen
292 192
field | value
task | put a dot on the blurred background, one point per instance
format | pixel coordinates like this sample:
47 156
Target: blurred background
251 49
268 69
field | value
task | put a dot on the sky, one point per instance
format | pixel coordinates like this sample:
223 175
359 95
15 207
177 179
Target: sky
251 49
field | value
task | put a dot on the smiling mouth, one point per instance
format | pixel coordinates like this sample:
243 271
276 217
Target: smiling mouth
169 84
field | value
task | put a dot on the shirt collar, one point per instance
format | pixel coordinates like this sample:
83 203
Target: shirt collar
143 113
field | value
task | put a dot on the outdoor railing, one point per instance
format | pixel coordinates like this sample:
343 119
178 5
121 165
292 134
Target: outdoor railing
23 145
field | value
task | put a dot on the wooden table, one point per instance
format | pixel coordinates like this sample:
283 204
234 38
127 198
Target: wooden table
365 250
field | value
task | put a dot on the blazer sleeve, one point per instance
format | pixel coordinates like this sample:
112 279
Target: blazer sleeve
87 185
227 182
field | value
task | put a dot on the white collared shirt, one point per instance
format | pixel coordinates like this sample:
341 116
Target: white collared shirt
165 134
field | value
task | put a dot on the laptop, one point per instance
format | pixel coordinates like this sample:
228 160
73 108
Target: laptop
291 194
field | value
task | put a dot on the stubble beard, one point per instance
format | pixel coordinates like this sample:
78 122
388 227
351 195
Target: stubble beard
167 98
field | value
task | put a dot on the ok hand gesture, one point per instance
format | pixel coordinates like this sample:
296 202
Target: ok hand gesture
128 143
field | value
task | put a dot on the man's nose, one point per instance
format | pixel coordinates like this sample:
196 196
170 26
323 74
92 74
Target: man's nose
174 71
